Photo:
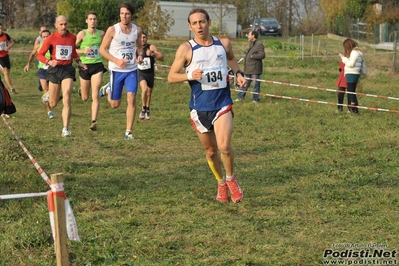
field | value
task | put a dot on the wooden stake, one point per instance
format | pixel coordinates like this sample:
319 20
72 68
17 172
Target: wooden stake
395 43
61 249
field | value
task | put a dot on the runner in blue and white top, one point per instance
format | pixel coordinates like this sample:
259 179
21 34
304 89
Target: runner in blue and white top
205 59
212 92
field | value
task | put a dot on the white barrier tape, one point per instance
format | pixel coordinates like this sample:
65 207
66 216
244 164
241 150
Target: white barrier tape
72 227
23 195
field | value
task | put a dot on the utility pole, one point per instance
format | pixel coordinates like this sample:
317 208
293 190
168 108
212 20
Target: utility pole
220 17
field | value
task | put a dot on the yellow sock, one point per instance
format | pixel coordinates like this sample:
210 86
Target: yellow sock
215 173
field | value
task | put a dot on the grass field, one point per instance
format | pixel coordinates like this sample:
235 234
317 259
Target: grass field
312 179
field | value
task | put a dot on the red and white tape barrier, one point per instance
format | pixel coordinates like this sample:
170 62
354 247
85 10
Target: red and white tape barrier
313 88
58 189
72 228
37 166
162 65
323 102
323 89
307 87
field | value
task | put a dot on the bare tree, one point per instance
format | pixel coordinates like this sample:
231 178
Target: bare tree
7 11
45 12
27 13
293 15
309 18
153 20
221 9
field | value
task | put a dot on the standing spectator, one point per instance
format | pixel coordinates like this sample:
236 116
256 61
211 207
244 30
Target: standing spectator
253 66
147 74
205 59
342 86
5 65
88 42
61 73
42 69
352 58
119 47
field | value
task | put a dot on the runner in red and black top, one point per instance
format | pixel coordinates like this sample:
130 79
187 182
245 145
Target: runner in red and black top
61 73
5 44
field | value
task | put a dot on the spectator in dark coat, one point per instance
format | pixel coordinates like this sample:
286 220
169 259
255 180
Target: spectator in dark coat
253 66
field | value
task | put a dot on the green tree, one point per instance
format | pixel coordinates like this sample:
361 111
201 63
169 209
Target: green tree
153 20
355 8
107 12
340 13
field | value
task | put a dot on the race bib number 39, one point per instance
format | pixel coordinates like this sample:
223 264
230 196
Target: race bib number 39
63 52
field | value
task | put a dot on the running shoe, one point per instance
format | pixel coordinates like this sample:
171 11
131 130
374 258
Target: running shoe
50 114
129 136
222 193
13 90
142 113
93 126
45 98
235 190
104 89
66 133
147 115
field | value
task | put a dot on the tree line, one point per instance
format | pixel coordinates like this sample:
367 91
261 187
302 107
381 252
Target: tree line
296 16
28 14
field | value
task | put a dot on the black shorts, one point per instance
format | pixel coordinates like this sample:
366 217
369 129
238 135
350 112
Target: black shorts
5 62
149 77
42 73
91 70
59 73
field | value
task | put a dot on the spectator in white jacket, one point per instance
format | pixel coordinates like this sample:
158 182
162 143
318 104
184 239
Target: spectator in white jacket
353 59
